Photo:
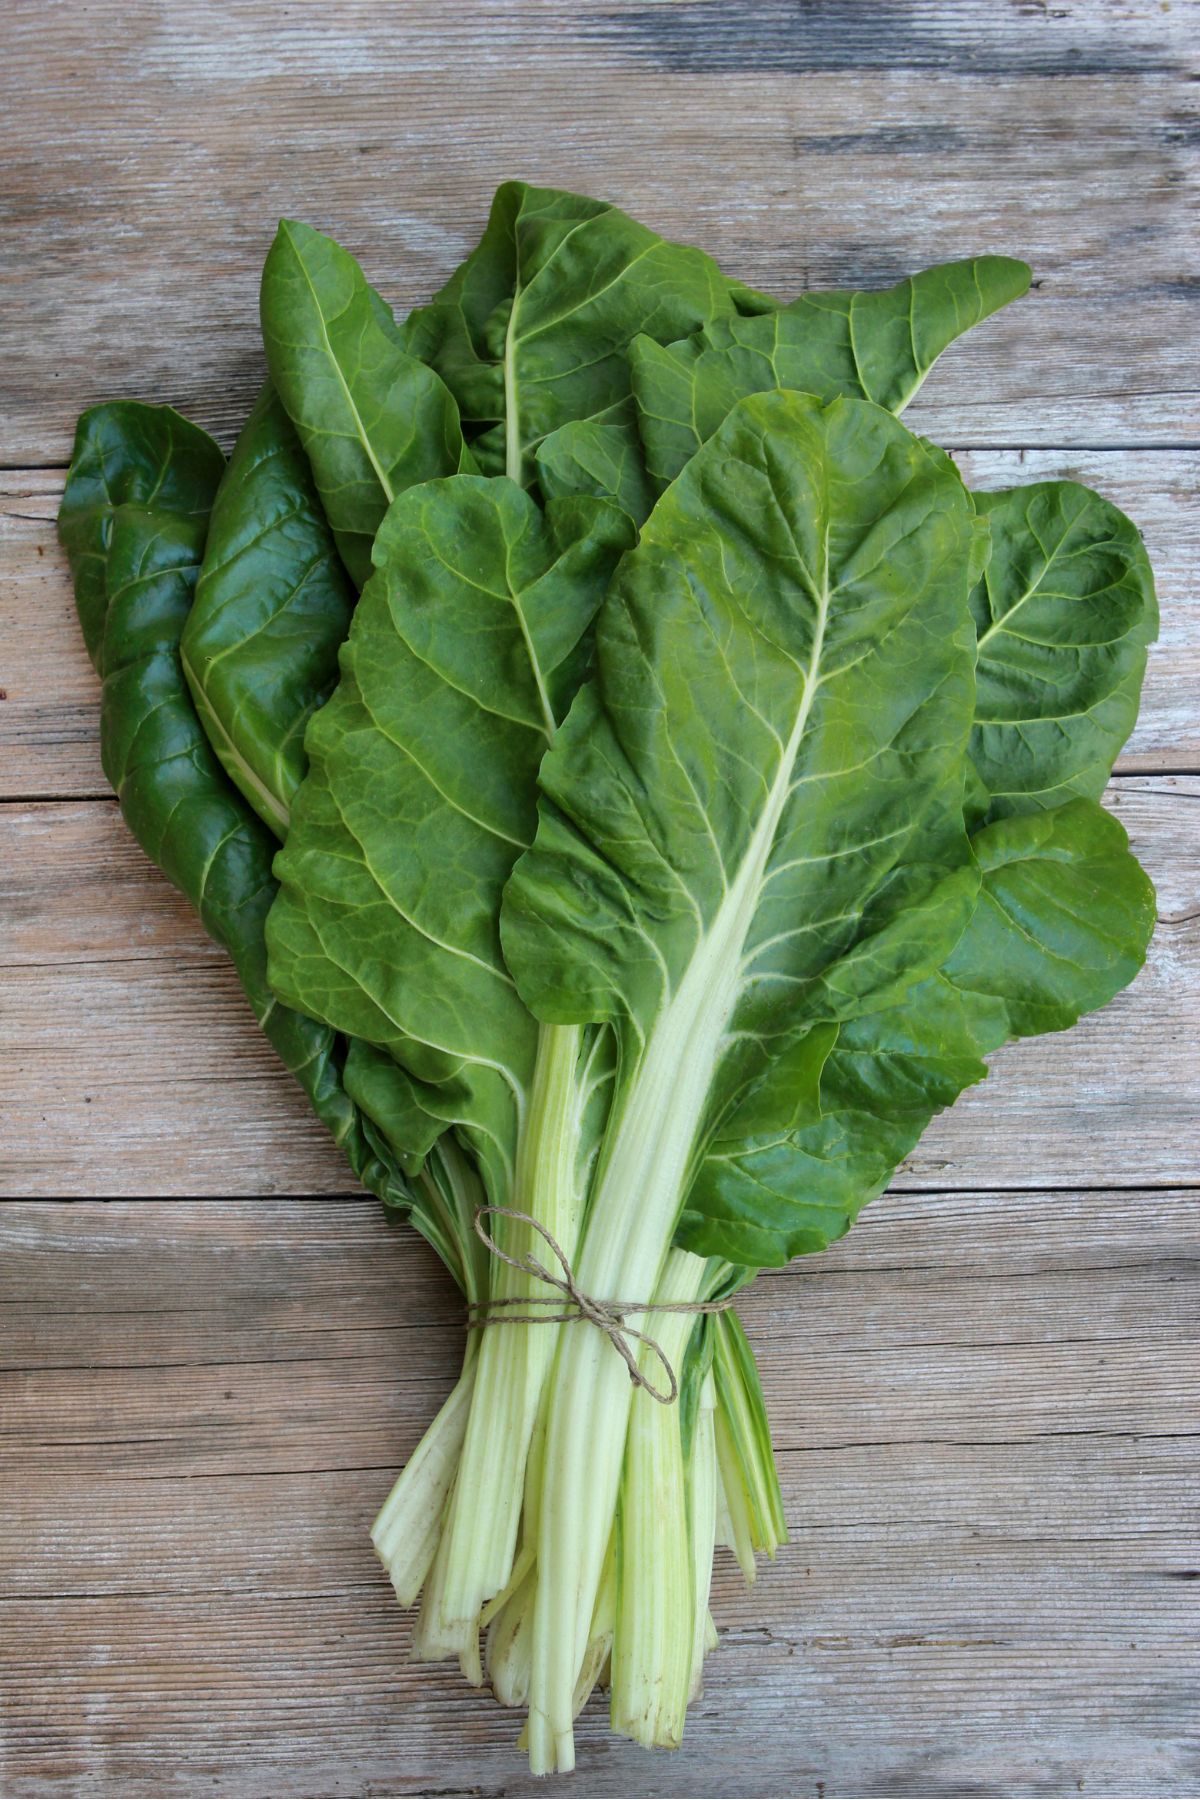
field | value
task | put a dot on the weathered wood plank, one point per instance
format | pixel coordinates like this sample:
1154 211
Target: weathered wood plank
133 1065
984 1590
833 144
985 1403
48 722
49 713
334 1295
317 1412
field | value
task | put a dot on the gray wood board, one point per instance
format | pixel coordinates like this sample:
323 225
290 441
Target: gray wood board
984 1408
49 720
134 1065
154 146
984 1400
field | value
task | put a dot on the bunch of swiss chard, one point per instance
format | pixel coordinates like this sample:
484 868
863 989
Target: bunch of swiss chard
638 784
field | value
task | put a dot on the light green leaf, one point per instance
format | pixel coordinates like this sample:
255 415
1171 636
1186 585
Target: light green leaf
466 647
876 345
373 419
764 776
1065 611
762 1199
743 1420
750 302
532 331
1063 921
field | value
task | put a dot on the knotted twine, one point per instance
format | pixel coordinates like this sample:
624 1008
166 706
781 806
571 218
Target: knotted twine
608 1316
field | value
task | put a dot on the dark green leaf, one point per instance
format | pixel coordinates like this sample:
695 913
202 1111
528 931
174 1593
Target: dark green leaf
129 454
272 605
133 521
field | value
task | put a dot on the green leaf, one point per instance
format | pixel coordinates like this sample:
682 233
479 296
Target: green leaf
1063 921
1064 917
601 456
373 419
465 649
1065 611
127 454
133 521
750 302
764 1199
1065 911
272 605
532 331
763 785
879 346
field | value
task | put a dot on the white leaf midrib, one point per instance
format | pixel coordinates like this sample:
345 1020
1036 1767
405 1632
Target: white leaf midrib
670 1090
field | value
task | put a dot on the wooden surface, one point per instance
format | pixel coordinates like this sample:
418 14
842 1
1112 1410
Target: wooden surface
986 1399
982 1411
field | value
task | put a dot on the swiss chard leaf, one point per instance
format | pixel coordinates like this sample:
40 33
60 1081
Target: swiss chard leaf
532 331
1064 918
601 456
127 454
1065 911
466 648
272 605
1065 611
751 820
133 521
877 345
373 419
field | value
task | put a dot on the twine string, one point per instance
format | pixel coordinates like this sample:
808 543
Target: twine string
608 1316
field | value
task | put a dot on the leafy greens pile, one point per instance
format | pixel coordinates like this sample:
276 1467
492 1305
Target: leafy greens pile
683 783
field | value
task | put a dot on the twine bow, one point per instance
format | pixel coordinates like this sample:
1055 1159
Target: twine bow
608 1316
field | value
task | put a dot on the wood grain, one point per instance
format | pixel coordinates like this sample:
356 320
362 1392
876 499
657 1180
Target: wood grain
830 144
48 723
985 1400
984 1413
134 1066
